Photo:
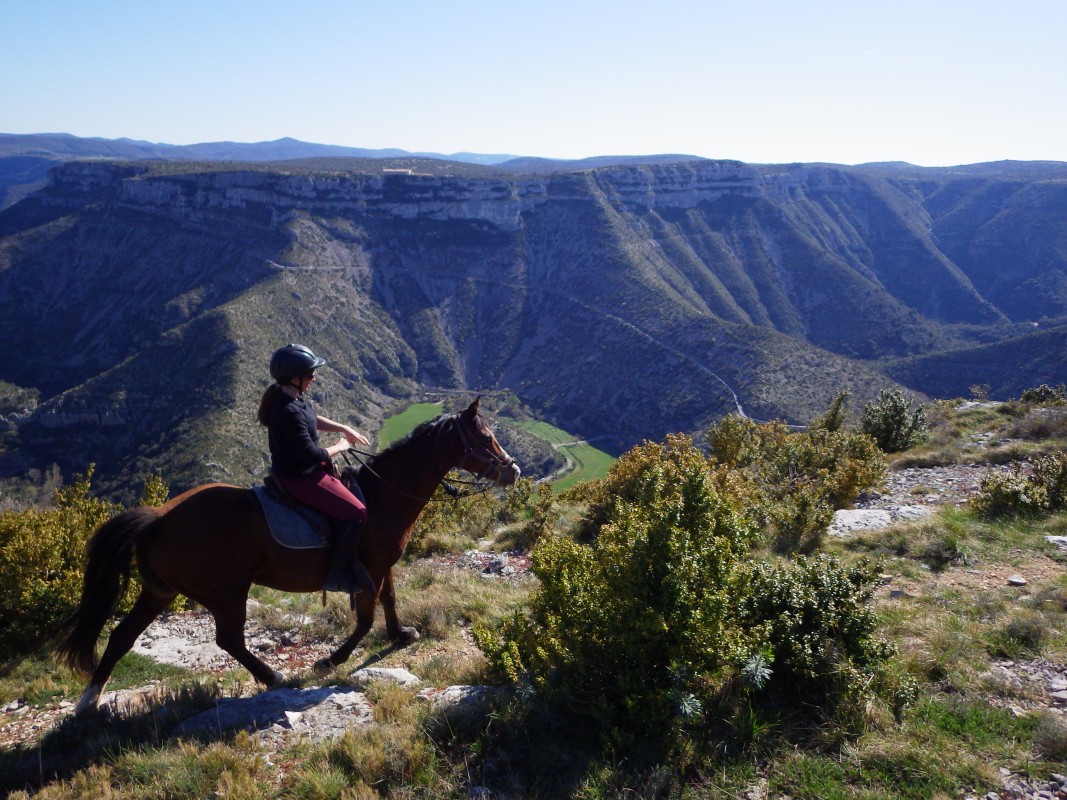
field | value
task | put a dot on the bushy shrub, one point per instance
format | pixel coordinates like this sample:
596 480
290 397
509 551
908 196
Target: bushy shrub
1014 493
803 477
1045 395
638 620
661 613
1008 494
447 524
1050 737
517 501
893 423
814 617
42 555
1050 473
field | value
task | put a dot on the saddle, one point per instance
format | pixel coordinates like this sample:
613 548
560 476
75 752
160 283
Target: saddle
293 524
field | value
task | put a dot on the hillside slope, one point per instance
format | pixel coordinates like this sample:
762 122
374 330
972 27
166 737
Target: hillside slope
141 301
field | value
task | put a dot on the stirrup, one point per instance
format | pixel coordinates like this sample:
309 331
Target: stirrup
364 582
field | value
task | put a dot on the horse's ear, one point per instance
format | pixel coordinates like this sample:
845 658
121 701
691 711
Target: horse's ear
472 409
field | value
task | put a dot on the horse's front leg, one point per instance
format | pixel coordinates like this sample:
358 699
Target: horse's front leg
364 620
397 633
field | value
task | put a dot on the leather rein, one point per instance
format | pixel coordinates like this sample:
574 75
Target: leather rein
479 485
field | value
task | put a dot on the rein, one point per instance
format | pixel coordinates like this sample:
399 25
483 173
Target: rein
480 484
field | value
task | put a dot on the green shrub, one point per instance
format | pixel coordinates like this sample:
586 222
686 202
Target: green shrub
803 477
893 423
1003 494
41 558
1050 737
1050 473
659 613
637 625
517 500
1045 395
1041 492
448 524
814 616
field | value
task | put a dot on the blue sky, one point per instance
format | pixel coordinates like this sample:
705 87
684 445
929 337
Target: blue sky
937 82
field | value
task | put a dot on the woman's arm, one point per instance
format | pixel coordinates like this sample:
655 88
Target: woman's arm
351 434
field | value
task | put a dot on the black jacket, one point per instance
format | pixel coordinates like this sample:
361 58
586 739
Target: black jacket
293 436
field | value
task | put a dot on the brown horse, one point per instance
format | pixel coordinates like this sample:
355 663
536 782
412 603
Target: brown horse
212 543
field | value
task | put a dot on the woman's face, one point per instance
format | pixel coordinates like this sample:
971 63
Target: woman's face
305 382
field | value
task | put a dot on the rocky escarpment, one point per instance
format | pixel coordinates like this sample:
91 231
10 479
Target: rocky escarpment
622 302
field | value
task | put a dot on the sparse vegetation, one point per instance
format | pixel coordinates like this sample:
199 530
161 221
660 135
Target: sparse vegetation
661 608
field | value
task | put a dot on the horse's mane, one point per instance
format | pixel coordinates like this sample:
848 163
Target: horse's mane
420 430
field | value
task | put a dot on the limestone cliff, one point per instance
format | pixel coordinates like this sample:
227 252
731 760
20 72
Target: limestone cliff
141 300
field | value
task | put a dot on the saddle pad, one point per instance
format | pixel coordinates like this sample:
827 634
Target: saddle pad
297 528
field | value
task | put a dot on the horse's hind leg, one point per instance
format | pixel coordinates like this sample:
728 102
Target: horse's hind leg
119 643
230 636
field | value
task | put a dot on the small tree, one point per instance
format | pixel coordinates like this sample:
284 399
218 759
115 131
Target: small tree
1045 395
893 423
835 416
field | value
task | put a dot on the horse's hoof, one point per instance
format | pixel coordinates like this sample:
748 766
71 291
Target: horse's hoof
89 700
276 680
405 636
323 666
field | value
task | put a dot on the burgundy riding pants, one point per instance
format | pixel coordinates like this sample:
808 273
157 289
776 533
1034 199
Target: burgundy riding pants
326 493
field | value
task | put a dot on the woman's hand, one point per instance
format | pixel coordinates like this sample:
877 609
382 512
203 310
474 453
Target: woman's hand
355 437
351 434
336 449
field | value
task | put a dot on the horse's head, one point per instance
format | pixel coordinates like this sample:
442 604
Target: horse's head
482 454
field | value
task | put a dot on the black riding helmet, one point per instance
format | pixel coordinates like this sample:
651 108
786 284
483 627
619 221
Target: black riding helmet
293 361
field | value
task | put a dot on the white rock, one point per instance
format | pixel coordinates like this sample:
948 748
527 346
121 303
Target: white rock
850 520
391 674
910 512
457 695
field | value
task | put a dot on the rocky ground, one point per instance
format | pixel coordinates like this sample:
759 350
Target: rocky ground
187 639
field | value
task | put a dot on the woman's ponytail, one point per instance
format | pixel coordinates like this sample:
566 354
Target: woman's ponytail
266 403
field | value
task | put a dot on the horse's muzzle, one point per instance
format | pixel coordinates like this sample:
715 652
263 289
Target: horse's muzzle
506 476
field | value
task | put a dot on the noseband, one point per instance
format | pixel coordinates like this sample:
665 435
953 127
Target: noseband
491 460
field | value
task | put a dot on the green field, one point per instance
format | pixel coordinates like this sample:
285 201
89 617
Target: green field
589 462
400 425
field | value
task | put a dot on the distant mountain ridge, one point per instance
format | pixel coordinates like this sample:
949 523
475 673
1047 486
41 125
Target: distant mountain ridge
139 300
64 146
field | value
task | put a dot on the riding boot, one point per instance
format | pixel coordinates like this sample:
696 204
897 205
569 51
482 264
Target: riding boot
347 573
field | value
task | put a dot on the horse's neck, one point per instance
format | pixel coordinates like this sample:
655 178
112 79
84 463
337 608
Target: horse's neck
407 478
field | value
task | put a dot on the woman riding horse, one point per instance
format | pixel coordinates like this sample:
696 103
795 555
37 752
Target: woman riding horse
212 543
303 467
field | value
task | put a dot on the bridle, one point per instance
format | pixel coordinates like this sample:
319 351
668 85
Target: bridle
492 461
481 483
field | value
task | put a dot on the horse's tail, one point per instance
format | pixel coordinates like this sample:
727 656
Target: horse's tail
107 576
